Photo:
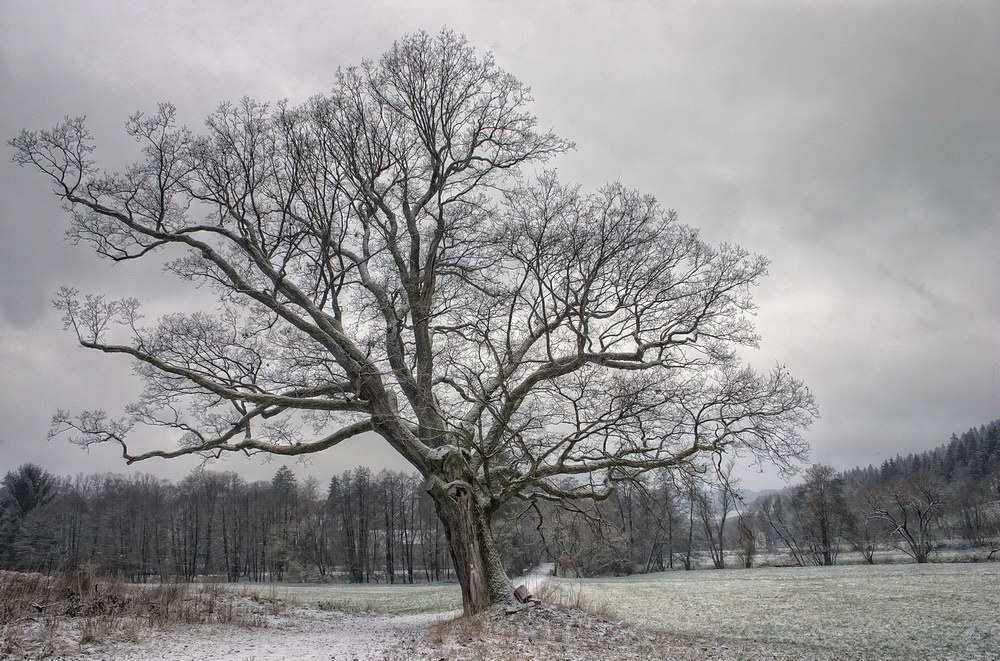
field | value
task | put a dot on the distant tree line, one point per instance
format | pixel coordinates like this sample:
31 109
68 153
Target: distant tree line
973 456
362 527
914 504
367 527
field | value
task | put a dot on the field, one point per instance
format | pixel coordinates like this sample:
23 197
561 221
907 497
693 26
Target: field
902 611
367 598
930 611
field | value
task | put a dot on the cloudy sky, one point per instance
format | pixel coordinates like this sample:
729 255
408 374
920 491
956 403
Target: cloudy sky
854 143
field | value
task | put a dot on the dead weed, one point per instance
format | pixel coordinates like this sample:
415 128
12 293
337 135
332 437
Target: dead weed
44 615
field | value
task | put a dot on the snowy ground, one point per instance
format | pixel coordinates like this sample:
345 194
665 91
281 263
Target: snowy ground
299 633
818 613
309 634
304 634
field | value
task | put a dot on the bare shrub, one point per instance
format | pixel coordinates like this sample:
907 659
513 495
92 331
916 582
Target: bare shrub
571 596
465 630
274 604
543 632
22 595
39 611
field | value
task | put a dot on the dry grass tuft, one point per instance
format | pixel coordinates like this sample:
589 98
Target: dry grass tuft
554 632
571 596
462 631
47 615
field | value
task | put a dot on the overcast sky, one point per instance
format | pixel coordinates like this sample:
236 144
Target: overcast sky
855 144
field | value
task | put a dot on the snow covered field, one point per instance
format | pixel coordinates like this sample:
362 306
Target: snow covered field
911 611
299 633
936 611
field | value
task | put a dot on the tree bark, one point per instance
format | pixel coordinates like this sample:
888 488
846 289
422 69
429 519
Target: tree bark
480 572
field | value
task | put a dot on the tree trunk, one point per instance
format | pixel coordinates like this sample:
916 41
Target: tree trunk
826 541
480 573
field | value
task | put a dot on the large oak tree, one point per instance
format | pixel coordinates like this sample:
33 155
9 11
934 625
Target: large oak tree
384 263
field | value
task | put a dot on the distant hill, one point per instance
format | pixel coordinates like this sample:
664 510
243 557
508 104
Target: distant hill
750 495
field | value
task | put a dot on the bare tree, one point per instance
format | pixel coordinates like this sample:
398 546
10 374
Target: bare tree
664 507
821 513
315 530
911 506
746 540
715 502
235 527
352 497
993 489
778 524
382 267
973 501
867 533
811 519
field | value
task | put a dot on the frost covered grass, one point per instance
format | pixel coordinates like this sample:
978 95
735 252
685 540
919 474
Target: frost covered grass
903 611
400 599
880 612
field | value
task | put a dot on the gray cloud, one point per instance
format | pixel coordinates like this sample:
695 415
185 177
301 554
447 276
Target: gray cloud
856 144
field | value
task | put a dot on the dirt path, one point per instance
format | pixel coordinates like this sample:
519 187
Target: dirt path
299 633
537 577
302 633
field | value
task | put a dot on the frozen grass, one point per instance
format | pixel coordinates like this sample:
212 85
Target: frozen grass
903 611
940 611
382 599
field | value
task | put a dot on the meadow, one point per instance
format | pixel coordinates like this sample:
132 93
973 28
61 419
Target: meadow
890 611
383 599
910 611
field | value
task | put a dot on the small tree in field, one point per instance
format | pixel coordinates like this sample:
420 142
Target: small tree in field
382 266
821 515
746 541
911 506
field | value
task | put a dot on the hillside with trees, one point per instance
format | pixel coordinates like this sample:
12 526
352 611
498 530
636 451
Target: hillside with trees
916 504
972 456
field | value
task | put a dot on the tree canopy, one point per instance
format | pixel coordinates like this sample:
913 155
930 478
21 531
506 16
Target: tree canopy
386 262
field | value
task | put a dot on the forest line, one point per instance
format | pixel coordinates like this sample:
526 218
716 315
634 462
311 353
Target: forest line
368 527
